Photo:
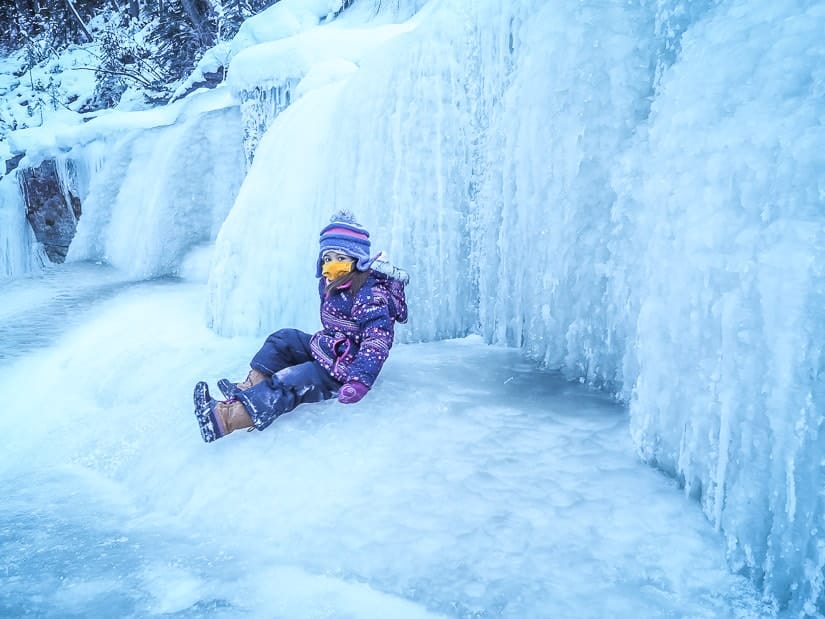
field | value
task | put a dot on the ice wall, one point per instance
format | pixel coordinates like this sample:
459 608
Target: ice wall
628 191
352 142
158 192
727 215
267 242
578 92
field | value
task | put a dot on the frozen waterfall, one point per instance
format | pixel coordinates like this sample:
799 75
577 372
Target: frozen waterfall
160 192
630 193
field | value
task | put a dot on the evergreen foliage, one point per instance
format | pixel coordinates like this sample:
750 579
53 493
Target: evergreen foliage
59 22
149 45
124 61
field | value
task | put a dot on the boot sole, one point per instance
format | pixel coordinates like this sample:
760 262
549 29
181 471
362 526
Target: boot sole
203 413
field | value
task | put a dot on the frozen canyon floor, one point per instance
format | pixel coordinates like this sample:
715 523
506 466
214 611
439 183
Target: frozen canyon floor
467 483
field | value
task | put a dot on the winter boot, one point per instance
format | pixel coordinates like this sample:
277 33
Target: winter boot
228 388
217 419
204 405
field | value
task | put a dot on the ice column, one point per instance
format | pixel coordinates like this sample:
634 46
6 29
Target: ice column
20 253
263 274
395 143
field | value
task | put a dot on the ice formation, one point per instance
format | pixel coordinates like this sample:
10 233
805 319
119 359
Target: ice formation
158 193
630 192
19 251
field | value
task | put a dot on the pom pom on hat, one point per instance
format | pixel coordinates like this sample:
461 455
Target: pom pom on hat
344 234
344 217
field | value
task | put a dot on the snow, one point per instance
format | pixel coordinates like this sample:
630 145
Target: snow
48 90
487 489
70 132
282 20
284 37
628 193
281 60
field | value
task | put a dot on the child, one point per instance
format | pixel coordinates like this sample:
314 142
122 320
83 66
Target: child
359 307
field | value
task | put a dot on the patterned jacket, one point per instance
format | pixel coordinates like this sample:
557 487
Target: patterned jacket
358 331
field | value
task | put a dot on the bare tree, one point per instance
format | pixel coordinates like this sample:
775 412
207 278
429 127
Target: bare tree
80 21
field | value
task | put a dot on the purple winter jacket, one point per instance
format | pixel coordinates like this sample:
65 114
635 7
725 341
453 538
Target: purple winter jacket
358 332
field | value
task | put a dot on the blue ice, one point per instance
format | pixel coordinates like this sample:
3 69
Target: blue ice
468 484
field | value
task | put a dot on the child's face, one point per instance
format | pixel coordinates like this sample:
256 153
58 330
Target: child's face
335 265
334 256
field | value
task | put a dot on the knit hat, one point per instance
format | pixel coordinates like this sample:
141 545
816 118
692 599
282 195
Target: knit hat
345 235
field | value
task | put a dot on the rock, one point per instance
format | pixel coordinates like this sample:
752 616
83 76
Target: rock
210 80
53 219
11 164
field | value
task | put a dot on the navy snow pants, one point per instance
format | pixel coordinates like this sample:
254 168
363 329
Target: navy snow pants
295 378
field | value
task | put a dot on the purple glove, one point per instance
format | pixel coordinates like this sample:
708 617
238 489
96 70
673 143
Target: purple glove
351 392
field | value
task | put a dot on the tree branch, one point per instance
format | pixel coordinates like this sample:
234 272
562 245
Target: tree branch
132 76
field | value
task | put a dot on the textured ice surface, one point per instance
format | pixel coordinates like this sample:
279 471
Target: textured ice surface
465 485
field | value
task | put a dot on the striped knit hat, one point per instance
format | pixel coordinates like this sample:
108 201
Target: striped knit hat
345 235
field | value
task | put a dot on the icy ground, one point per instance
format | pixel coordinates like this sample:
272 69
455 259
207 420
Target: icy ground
466 485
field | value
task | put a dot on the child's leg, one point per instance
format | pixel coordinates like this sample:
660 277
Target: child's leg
297 384
282 349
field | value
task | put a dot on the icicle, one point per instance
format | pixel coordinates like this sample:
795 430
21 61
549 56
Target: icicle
20 253
259 108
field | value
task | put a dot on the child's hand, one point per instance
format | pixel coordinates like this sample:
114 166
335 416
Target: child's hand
352 392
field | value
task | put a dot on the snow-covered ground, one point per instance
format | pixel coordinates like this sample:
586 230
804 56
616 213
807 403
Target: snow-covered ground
467 484
49 91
